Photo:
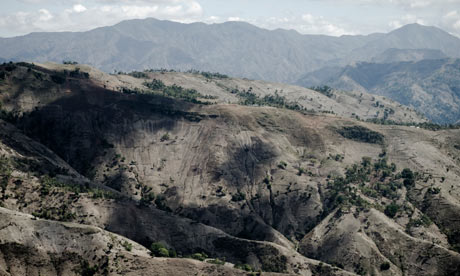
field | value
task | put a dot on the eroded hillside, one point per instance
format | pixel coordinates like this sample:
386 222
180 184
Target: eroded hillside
282 190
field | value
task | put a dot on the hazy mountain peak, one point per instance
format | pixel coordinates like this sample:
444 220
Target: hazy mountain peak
235 48
416 28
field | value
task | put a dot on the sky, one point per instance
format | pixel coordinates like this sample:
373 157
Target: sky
329 17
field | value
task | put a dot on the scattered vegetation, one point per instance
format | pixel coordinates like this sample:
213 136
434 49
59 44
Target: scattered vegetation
165 137
69 62
199 256
156 85
385 266
49 183
239 196
282 165
139 75
128 246
160 202
425 125
208 75
61 77
77 74
88 270
275 100
245 267
159 250
391 210
5 172
424 220
300 171
63 213
216 261
361 134
325 90
147 196
376 180
409 177
175 91
58 78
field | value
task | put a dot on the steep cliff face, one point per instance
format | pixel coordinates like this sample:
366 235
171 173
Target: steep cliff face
252 184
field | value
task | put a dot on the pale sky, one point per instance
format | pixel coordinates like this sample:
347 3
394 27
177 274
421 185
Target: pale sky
330 17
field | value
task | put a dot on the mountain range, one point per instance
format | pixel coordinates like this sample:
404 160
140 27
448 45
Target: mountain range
235 48
431 86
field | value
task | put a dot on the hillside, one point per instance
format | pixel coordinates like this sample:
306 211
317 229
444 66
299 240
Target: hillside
235 48
222 89
430 86
398 55
76 249
281 190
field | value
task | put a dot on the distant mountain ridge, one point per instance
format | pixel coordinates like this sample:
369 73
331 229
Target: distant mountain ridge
235 48
430 86
396 55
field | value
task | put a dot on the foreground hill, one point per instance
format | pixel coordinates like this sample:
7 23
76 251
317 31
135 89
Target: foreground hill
430 86
281 190
235 48
32 246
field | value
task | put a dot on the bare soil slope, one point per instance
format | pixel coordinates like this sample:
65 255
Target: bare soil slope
281 190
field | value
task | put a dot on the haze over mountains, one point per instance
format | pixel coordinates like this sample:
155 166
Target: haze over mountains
240 172
235 48
242 50
430 86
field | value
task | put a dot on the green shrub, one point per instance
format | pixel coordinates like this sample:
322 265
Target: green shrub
239 196
163 252
216 261
58 78
325 90
434 190
366 161
361 134
160 202
165 137
128 246
159 250
172 253
407 174
199 256
139 75
282 165
5 171
155 84
245 267
391 210
250 98
385 266
88 270
300 171
148 197
175 91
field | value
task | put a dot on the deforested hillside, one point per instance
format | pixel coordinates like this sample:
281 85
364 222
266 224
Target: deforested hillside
192 171
32 246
